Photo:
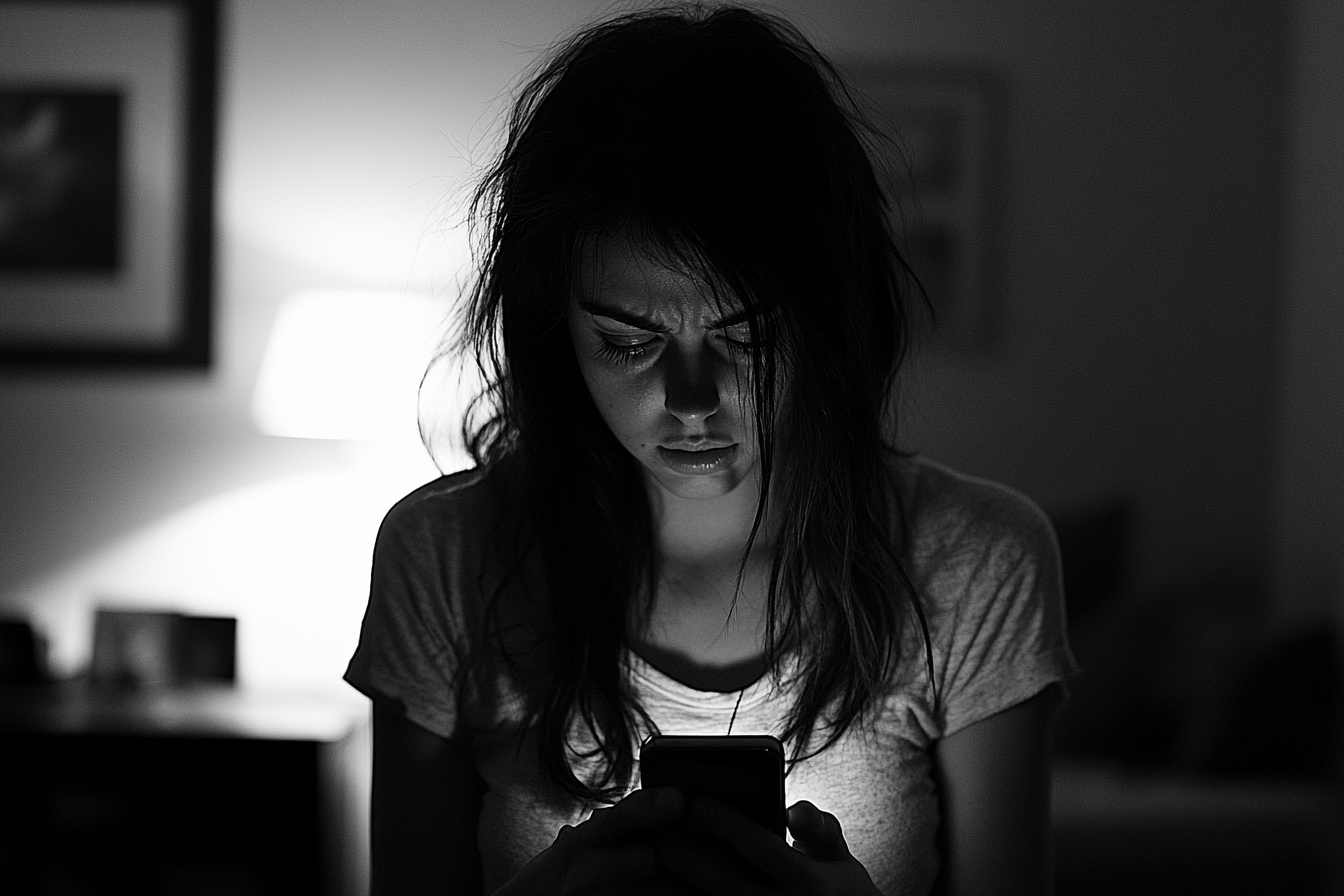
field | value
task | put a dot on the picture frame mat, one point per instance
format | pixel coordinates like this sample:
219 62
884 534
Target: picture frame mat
943 121
151 305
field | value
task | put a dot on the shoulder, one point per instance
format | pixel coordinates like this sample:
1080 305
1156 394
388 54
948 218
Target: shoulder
441 554
983 559
442 502
951 518
442 550
985 562
455 512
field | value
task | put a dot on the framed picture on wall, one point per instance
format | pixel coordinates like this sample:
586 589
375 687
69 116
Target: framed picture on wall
107 136
944 124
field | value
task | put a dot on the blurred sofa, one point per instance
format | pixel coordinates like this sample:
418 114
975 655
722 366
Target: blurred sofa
1199 751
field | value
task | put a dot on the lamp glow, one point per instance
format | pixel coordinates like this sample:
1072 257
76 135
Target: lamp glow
347 365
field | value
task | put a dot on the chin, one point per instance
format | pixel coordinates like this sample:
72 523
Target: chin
698 488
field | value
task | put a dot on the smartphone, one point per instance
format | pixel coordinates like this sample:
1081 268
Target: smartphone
745 771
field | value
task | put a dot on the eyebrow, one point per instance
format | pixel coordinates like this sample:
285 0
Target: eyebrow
632 319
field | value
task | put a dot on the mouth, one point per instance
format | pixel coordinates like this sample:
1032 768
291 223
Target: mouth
701 444
698 461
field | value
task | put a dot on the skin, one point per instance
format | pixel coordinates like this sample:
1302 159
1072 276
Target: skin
659 358
664 363
666 367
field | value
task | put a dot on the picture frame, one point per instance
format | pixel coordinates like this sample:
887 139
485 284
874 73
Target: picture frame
107 156
940 161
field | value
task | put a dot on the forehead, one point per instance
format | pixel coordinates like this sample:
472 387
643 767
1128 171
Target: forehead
617 271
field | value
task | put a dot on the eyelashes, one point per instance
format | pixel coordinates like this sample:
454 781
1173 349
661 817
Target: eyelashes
615 353
620 355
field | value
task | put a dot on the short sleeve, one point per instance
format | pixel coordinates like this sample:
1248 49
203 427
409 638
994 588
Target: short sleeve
409 652
998 610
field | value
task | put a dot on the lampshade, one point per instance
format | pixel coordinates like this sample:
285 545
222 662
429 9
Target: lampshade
347 365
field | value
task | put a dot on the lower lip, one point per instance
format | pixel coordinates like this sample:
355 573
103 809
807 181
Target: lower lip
698 463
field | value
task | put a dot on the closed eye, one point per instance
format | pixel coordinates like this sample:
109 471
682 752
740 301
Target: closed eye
619 350
738 334
738 339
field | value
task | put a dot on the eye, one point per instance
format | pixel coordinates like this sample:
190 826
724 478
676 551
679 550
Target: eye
737 338
621 352
619 342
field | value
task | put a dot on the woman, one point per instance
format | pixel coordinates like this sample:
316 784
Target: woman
686 517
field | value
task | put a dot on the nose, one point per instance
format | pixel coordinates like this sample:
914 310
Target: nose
691 389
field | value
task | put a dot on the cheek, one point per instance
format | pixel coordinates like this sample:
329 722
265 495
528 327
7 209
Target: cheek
629 404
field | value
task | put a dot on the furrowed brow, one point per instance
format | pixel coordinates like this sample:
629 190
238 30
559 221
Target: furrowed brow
629 318
732 320
742 316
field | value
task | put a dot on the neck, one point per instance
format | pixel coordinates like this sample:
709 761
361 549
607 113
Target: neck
707 533
707 624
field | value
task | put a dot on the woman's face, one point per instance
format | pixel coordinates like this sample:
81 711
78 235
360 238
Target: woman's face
668 367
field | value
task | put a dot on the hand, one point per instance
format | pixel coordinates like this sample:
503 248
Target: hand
612 851
717 850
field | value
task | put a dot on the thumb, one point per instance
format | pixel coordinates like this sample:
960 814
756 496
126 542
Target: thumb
817 833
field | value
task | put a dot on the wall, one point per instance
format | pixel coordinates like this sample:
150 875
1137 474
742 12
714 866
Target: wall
1139 288
1309 477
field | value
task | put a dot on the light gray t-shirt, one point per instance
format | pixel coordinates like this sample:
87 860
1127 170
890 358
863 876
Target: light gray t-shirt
983 558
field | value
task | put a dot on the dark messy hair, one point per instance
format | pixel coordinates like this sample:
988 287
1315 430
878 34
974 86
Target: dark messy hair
721 140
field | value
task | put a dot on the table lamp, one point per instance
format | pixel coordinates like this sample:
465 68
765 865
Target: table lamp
352 366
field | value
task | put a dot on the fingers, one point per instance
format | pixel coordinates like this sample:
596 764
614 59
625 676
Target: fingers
610 850
706 864
642 810
719 850
716 849
761 849
660 885
817 833
728 824
595 868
